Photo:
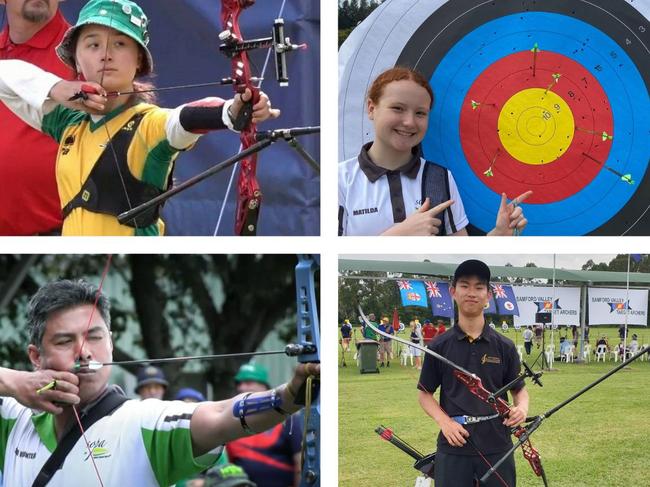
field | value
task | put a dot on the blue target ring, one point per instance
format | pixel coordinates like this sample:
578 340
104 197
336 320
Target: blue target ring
605 195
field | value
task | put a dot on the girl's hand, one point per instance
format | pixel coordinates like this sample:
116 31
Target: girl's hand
421 223
67 93
261 110
510 216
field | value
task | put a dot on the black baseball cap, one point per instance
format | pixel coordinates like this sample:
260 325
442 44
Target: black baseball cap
471 268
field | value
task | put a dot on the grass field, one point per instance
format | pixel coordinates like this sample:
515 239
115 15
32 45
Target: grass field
601 439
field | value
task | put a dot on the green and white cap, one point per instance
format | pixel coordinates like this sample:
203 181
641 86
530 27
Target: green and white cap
124 16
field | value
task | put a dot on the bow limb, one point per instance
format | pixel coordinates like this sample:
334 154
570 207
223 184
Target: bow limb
308 332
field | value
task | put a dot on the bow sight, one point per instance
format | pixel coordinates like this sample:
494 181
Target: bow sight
232 45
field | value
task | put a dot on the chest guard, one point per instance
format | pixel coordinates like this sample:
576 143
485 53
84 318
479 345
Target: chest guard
112 192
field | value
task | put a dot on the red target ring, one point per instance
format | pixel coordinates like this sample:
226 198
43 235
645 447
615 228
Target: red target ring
510 81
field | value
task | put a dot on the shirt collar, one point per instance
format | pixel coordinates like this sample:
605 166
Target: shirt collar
373 172
43 39
486 335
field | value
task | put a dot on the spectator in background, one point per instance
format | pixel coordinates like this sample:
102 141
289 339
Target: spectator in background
29 200
385 344
369 333
565 347
539 334
416 337
528 339
228 475
346 335
441 327
188 394
151 382
586 333
428 331
272 458
603 341
621 331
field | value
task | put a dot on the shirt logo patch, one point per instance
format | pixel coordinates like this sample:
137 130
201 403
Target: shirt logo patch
486 359
67 143
98 450
25 454
365 211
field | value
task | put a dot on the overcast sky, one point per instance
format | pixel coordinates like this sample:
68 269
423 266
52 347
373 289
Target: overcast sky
562 261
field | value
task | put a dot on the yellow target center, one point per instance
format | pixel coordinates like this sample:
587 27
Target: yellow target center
536 126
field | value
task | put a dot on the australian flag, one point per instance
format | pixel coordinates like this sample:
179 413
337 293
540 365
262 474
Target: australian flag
505 300
412 293
441 303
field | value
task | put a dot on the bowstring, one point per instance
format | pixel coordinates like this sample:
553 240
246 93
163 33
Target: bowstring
90 319
241 146
109 142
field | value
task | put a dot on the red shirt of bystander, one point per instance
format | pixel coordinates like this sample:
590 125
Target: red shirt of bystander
29 200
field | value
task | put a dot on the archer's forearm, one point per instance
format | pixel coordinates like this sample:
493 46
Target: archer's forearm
214 423
432 407
521 398
7 382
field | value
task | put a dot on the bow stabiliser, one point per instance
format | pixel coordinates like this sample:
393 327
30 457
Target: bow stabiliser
475 385
306 349
536 421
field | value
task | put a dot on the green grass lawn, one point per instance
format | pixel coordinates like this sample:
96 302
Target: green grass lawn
601 439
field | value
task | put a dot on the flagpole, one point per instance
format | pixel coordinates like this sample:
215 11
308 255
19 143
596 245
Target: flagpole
627 305
548 362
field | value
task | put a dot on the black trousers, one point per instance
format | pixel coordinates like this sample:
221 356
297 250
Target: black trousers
528 346
465 470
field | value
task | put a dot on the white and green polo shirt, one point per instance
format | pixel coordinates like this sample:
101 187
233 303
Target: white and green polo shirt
143 443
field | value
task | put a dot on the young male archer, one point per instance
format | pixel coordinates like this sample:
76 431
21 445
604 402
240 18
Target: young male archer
472 437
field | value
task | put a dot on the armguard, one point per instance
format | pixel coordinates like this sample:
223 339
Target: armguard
270 400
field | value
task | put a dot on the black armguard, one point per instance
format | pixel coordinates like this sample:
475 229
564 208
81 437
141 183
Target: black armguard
195 119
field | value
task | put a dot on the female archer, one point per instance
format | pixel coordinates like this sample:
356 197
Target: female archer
117 149
389 189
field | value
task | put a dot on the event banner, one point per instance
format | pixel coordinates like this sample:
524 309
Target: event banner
563 301
611 306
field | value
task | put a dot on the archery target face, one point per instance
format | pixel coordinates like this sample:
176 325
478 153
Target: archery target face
550 96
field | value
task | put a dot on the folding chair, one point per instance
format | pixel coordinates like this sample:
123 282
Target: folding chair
405 354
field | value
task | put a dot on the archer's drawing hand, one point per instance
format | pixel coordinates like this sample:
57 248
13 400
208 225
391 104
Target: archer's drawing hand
516 416
454 432
25 384
510 216
87 96
261 110
421 223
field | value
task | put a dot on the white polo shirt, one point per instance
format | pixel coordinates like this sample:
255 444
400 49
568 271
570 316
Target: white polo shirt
373 199
144 443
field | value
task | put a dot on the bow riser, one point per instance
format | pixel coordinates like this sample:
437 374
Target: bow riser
249 197
309 334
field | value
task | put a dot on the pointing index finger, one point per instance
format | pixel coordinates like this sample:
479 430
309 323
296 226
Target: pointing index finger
441 207
521 198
